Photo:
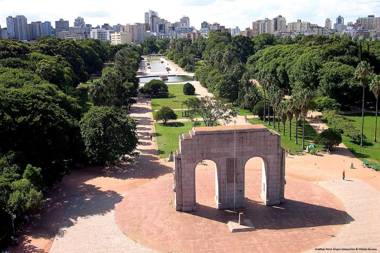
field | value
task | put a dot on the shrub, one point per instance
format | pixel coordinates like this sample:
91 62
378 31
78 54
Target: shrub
155 89
250 98
338 122
33 174
325 104
355 135
329 138
24 197
188 89
258 109
108 133
165 114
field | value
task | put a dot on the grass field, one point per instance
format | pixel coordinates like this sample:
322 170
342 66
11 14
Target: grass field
244 112
370 151
174 101
287 143
168 136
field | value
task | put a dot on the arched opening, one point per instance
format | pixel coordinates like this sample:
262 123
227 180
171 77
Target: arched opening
255 183
206 183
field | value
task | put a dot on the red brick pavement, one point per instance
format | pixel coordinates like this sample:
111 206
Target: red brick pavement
310 216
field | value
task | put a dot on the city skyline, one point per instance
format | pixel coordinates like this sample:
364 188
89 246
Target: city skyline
243 14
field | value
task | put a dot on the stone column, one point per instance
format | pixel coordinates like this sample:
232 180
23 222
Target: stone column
273 179
188 187
177 182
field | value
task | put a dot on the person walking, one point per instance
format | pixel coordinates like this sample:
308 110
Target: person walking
344 175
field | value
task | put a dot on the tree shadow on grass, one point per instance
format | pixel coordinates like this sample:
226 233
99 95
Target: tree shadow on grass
173 124
358 154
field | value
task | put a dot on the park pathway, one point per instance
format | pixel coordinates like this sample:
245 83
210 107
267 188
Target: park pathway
99 232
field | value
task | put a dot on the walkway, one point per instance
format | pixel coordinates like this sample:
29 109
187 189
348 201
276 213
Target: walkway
362 202
99 233
81 211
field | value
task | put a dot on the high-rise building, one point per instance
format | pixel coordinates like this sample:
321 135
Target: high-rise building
151 19
21 27
100 34
139 33
35 30
262 26
367 23
235 31
328 24
339 25
340 20
204 24
79 22
61 25
135 33
118 28
377 24
106 26
185 22
279 24
3 33
11 27
46 29
301 27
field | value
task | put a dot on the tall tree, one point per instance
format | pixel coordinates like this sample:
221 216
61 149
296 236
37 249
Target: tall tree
274 97
362 74
211 110
283 114
375 88
290 114
303 96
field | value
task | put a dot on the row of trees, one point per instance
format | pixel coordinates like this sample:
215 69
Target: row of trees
50 125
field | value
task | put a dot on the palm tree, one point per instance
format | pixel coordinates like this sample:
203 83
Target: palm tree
362 74
375 88
303 97
290 113
297 101
283 113
275 97
264 86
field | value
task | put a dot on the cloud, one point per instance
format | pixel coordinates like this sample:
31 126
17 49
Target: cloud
197 2
95 14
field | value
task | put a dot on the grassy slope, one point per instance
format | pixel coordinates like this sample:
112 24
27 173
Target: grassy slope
371 151
174 101
288 144
244 112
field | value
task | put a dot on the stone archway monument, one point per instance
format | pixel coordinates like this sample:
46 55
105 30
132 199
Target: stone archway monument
230 147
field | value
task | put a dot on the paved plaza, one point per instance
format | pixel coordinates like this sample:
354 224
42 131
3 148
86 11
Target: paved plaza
130 209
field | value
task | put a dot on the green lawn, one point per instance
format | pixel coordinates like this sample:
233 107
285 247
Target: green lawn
168 136
174 101
244 112
370 151
287 143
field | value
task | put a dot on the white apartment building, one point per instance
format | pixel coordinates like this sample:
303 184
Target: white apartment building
100 34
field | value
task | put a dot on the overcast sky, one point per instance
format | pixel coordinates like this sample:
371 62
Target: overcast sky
227 12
